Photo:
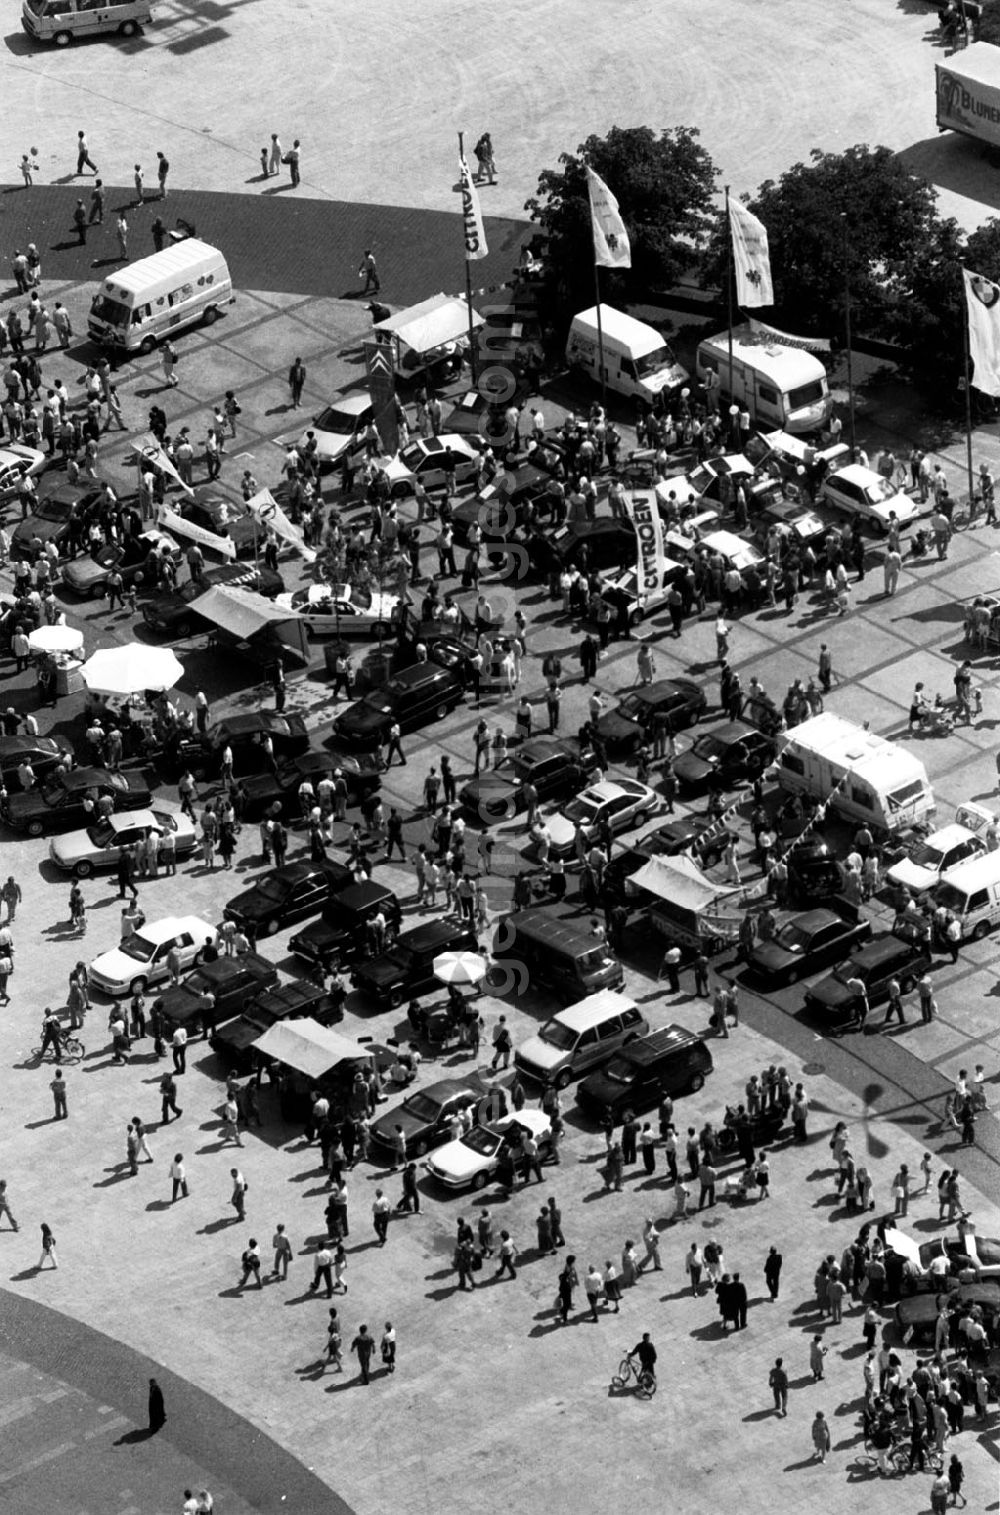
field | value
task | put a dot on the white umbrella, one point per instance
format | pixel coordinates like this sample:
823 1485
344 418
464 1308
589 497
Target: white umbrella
55 639
460 967
127 670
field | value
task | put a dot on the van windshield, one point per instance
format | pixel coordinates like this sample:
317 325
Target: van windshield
37 7
901 797
807 394
111 311
951 898
660 357
555 1034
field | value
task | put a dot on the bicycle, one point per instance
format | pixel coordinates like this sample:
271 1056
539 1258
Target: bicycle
644 1377
900 1458
70 1047
966 514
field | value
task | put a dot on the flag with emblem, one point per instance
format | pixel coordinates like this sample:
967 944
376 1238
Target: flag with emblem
982 297
612 248
751 258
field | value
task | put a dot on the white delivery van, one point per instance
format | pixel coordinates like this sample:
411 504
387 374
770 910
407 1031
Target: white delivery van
782 387
60 21
637 361
864 777
972 894
151 300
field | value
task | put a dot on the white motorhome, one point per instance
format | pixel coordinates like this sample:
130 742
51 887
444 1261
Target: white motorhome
782 387
637 361
863 776
151 300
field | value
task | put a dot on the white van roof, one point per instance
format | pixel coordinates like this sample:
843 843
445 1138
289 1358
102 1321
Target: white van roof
592 1010
639 338
786 367
864 752
162 267
976 874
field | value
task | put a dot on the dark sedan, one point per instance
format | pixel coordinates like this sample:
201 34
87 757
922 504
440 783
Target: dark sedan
916 1314
50 520
244 735
603 543
899 955
173 611
555 768
59 804
672 703
218 510
806 943
426 1115
730 755
43 754
814 874
288 894
361 772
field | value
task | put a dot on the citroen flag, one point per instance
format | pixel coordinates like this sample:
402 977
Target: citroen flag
751 259
650 558
472 215
611 245
983 299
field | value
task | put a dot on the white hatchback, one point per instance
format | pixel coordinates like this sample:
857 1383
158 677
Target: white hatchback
141 959
860 491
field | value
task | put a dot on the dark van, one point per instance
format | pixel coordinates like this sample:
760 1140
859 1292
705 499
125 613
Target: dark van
539 949
671 1061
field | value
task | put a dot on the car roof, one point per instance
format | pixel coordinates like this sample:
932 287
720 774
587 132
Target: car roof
444 1088
255 721
607 789
857 472
351 404
289 997
174 925
811 920
949 835
431 934
661 690
363 896
883 948
127 818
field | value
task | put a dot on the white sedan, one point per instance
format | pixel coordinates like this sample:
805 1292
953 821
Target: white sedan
861 491
17 460
473 1159
101 845
432 461
141 959
622 803
343 610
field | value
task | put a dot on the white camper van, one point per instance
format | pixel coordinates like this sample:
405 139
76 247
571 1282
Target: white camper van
637 361
782 387
150 300
862 775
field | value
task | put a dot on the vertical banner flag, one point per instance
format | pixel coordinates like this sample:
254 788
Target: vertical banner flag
751 258
612 248
983 300
650 557
472 215
381 368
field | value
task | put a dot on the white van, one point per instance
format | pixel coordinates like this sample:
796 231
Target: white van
781 387
861 775
151 300
936 857
60 21
581 1037
972 894
637 361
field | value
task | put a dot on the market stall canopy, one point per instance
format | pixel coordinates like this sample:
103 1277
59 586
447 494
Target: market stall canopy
244 614
55 639
309 1048
432 323
681 881
131 669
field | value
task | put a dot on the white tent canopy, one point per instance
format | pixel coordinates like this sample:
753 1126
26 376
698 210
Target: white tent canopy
240 611
308 1047
432 323
680 881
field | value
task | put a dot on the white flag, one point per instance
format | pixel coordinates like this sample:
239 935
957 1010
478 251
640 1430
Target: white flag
472 215
750 257
612 248
983 299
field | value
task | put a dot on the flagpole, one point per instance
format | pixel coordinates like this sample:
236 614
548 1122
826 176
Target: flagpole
968 390
600 331
473 355
848 337
729 290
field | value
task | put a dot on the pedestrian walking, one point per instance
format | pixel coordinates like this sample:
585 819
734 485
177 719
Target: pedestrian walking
238 1196
251 1264
508 1256
820 1436
387 1347
363 1346
5 1208
48 1249
121 232
83 158
162 170
368 271
778 1381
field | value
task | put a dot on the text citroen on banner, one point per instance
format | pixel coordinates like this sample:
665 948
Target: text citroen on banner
751 258
612 248
472 215
650 557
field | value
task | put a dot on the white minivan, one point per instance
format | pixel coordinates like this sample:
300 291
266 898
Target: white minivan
637 361
61 21
151 300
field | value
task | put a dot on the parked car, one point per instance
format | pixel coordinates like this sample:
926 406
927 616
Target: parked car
622 591
361 772
426 1114
977 1254
340 428
50 519
476 414
16 462
407 968
58 805
609 544
735 752
619 803
860 491
174 611
704 839
930 860
805 943
554 767
89 574
223 512
916 1314
814 875
413 697
287 894
214 993
432 462
899 954
343 610
102 844
473 1159
234 1042
680 701
341 936
141 959
44 754
244 735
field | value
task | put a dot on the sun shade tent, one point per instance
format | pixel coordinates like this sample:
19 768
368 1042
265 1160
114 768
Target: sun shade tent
685 906
309 1048
246 615
432 323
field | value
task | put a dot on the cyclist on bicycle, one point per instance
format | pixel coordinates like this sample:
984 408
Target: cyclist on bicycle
646 1353
52 1033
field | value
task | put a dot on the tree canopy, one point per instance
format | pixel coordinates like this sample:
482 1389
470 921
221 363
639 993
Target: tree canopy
664 186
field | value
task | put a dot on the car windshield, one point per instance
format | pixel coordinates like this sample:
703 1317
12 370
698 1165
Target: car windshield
53 510
481 1141
555 1034
376 700
709 746
411 457
660 357
422 1107
101 835
793 937
583 810
340 421
619 1070
848 970
880 489
632 707
926 856
901 797
139 948
270 889
806 394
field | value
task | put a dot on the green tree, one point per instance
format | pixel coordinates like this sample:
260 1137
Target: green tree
664 186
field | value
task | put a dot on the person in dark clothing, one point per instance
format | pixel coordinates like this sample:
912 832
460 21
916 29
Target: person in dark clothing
588 658
157 1412
741 1302
772 1271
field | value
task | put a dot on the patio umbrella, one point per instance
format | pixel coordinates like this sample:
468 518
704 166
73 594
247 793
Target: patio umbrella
460 967
55 639
130 669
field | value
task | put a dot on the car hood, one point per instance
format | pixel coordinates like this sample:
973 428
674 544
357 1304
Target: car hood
904 507
384 1130
771 957
179 1002
457 1160
330 445
612 725
84 571
71 848
489 786
44 530
320 934
117 967
912 876
563 831
692 769
380 971
23 804
251 905
164 607
540 1054
361 720
830 994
